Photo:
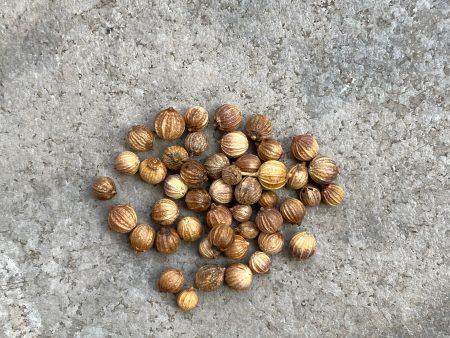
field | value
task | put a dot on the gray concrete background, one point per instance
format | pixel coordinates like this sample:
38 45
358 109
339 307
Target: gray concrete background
368 78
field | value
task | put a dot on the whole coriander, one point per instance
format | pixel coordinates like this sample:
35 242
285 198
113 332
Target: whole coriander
234 144
127 163
171 280
142 238
214 165
323 170
122 218
248 191
227 117
221 192
292 211
298 176
269 220
152 170
218 215
198 200
332 194
304 147
248 164
231 174
207 250
260 262
258 127
196 118
174 187
209 277
221 236
187 299
104 188
241 212
193 173
302 245
189 228
271 244
169 124
238 276
167 241
270 149
174 156
239 248
196 142
310 195
248 230
273 175
140 138
164 212
268 199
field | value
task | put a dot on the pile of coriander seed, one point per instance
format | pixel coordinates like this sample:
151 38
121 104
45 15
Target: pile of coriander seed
239 182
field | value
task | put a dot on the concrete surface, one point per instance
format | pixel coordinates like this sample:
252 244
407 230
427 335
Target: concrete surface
368 78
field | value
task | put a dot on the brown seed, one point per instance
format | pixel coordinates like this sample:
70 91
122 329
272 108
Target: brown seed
270 149
209 277
241 212
268 199
248 163
310 195
165 212
304 147
218 215
187 299
174 156
140 138
127 163
214 165
273 175
323 170
196 118
167 241
174 187
302 245
332 194
292 211
248 191
198 200
142 238
298 176
248 230
169 124
152 170
122 218
171 280
234 144
260 262
207 250
193 173
104 188
221 192
269 220
238 276
239 248
189 228
227 117
271 244
231 174
258 127
221 236
196 143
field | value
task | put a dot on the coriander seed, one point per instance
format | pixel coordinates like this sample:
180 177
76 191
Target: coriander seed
169 124
104 188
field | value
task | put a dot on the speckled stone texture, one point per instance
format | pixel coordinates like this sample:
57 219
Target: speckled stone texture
369 78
